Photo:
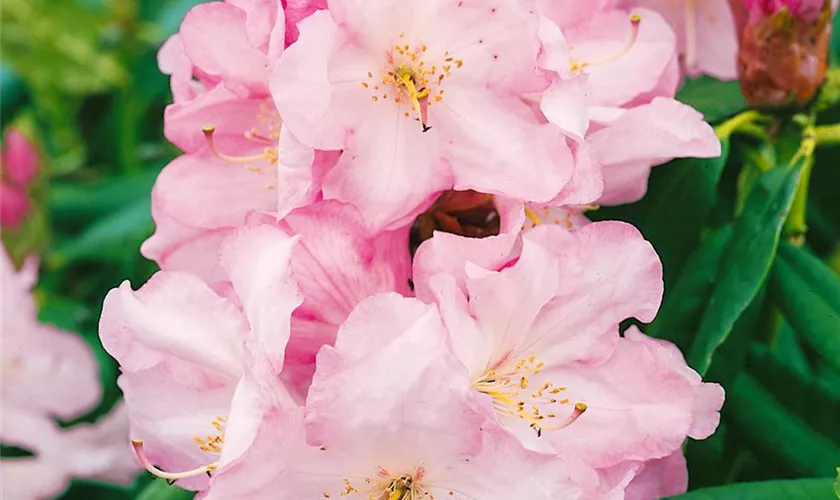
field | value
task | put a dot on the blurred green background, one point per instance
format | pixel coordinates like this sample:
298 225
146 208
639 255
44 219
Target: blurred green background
81 77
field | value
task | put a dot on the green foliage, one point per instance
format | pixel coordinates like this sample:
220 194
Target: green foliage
802 489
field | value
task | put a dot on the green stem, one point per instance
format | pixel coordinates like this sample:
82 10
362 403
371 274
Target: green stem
827 134
795 224
737 122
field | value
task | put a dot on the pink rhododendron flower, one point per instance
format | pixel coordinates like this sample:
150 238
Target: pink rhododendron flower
426 102
706 34
419 432
49 374
618 72
184 349
539 336
224 118
18 167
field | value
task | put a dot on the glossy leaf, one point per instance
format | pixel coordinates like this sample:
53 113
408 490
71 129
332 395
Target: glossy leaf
796 489
776 434
808 293
747 261
684 303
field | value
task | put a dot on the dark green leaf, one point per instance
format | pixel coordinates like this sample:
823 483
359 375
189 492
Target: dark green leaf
776 434
747 261
714 98
808 293
684 303
797 489
797 391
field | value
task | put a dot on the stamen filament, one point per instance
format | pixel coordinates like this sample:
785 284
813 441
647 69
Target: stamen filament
690 34
211 145
635 21
137 444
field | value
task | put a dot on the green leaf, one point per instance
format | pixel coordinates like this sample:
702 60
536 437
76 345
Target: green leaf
86 201
113 238
808 292
796 489
714 98
747 261
684 303
776 434
160 490
680 198
797 391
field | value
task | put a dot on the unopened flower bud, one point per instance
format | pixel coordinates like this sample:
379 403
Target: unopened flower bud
784 50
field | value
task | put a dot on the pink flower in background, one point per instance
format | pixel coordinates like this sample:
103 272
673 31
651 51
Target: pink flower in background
707 38
539 336
416 432
426 102
184 350
50 374
19 160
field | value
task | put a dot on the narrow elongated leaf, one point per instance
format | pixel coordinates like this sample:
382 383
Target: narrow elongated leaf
808 292
684 303
795 489
776 434
747 260
74 201
797 391
111 238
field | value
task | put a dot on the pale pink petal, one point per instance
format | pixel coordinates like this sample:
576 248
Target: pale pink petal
296 11
257 262
102 451
638 407
708 398
649 135
174 317
391 171
496 148
173 61
300 84
231 117
49 370
425 405
215 40
659 478
32 478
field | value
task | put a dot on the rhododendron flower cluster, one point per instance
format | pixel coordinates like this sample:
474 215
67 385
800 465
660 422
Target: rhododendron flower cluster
51 374
312 334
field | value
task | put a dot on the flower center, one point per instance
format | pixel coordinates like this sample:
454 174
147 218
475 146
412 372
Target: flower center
412 82
388 487
578 66
523 393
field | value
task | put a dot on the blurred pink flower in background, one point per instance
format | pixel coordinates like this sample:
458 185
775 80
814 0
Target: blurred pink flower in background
19 160
50 374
